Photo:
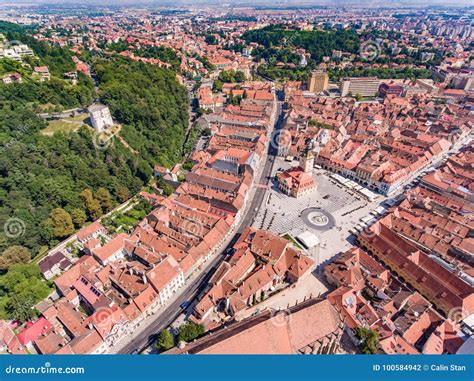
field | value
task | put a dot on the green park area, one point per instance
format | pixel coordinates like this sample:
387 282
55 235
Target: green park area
66 125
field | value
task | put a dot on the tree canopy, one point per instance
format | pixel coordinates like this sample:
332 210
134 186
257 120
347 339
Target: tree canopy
152 107
66 171
14 255
165 341
190 331
369 341
61 223
231 76
318 43
20 289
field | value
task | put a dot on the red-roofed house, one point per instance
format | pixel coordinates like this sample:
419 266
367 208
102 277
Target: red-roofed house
110 322
90 295
112 250
8 340
166 278
90 231
34 330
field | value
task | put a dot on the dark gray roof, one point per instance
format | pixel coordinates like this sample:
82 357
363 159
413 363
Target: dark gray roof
51 260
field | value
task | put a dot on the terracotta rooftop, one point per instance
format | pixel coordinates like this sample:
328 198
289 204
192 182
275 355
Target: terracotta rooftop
278 333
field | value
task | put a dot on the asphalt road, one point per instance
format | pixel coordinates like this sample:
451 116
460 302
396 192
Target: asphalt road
264 179
199 284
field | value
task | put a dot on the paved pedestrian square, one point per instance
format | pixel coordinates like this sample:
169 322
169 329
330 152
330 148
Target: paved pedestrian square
329 213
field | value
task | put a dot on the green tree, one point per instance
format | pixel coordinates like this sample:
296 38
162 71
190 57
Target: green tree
22 282
105 199
95 209
217 85
239 76
165 341
318 42
190 331
227 76
369 340
211 39
92 205
150 104
20 307
167 189
14 255
61 223
123 194
79 217
86 196
235 100
147 100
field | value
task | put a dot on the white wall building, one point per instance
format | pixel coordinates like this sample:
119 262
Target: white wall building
100 117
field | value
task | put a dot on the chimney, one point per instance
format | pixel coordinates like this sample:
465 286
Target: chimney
145 281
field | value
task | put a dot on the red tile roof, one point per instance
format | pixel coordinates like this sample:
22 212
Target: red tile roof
33 330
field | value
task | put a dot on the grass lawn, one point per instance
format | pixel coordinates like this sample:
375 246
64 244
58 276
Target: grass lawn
70 124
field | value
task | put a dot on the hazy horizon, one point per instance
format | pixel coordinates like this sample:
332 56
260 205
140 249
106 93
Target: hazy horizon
281 3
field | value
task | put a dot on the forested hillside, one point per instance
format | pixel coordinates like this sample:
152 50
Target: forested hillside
318 43
56 184
40 173
149 103
278 45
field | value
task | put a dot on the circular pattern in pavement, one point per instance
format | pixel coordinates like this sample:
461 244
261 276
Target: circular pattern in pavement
317 218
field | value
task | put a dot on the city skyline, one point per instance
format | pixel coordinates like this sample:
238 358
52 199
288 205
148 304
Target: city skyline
277 4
